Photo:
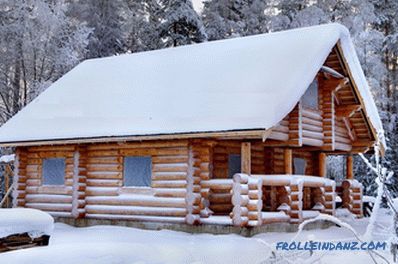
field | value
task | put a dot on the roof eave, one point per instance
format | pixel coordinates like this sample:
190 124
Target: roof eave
257 133
369 122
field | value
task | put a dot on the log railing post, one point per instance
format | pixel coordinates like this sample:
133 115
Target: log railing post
352 196
240 199
296 197
255 204
330 198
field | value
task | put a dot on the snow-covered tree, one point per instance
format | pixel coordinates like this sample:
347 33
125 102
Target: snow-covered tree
39 43
180 25
104 18
142 19
226 19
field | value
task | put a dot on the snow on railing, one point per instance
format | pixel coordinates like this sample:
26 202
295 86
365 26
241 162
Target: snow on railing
294 185
247 196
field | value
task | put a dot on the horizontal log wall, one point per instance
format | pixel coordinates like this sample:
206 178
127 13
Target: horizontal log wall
342 138
56 200
278 160
281 130
105 194
312 130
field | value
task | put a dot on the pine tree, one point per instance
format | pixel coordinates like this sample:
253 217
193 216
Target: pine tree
104 17
181 25
142 19
226 19
39 44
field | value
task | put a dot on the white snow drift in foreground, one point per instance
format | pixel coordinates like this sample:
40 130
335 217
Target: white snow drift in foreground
24 220
112 244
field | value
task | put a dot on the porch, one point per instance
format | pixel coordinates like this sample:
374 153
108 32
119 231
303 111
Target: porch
257 200
250 199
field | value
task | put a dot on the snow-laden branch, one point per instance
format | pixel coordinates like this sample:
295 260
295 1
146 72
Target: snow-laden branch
382 175
335 220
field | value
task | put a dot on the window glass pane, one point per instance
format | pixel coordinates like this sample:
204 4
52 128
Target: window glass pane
137 171
299 166
53 171
234 164
310 97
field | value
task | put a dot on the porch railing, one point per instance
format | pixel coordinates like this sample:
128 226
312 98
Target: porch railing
247 197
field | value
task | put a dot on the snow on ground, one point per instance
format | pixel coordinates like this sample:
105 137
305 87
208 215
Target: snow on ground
24 220
112 244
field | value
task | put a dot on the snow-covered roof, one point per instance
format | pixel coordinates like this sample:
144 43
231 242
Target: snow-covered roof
228 85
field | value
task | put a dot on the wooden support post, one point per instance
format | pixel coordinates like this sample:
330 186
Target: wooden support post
350 167
322 164
246 158
288 161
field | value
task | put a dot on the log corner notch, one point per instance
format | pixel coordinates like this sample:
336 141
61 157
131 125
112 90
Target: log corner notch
193 194
79 182
296 126
20 178
329 107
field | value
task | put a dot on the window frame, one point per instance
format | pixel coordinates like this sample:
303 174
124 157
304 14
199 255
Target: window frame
229 175
307 94
305 165
130 188
46 185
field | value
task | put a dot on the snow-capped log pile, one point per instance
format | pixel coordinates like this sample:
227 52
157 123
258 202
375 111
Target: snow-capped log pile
22 220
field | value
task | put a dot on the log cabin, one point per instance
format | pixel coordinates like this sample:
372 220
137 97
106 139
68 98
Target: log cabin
233 132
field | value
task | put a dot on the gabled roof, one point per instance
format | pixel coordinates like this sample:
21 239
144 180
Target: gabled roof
236 84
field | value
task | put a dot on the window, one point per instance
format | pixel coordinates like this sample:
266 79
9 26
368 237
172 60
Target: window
299 166
310 97
53 171
137 171
234 164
